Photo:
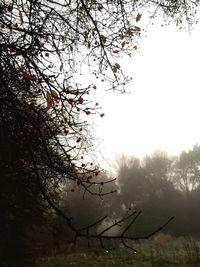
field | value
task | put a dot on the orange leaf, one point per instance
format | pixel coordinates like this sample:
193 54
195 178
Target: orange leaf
49 101
55 95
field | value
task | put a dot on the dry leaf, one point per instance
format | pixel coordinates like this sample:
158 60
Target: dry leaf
138 18
49 100
103 39
137 29
116 67
55 95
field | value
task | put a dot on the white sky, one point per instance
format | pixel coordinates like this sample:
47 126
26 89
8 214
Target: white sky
163 109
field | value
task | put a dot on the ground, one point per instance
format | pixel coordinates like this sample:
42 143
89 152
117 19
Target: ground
161 251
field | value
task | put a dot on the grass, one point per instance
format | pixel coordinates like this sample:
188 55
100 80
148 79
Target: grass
161 251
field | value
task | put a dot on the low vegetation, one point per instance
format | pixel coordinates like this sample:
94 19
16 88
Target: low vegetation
162 250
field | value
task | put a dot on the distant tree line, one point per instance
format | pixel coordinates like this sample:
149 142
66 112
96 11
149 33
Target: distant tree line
159 186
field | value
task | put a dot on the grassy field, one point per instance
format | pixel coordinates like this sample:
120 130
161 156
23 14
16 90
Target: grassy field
161 251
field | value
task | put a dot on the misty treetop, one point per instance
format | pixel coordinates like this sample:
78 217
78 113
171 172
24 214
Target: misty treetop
161 186
152 186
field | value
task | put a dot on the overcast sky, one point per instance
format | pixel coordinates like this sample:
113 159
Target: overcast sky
163 109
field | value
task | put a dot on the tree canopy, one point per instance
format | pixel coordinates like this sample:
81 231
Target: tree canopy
161 186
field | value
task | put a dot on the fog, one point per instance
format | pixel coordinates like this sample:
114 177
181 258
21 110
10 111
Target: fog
161 109
158 185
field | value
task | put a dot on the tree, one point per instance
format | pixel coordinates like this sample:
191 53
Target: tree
158 165
162 197
186 174
154 186
161 190
45 135
22 190
144 185
132 182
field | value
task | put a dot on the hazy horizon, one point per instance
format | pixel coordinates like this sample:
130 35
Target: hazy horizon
162 110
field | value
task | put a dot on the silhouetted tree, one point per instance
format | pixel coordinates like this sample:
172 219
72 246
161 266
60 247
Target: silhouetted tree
162 196
152 186
186 174
132 183
144 185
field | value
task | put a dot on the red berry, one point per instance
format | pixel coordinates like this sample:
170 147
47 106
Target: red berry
102 115
72 168
80 100
12 49
67 91
72 190
70 101
19 136
88 112
21 161
26 76
33 103
46 54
